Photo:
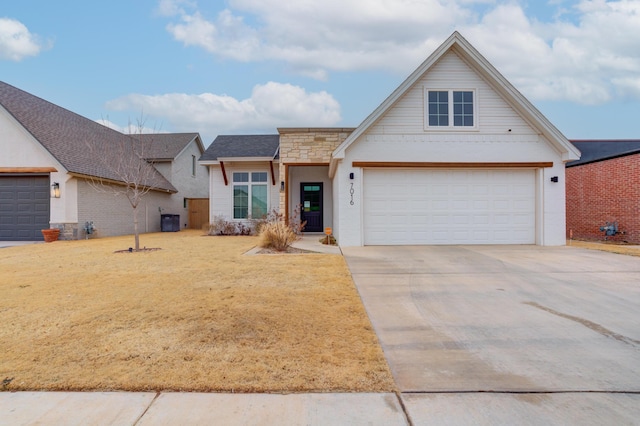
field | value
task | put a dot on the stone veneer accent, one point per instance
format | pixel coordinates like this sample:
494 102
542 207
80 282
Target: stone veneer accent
305 145
68 231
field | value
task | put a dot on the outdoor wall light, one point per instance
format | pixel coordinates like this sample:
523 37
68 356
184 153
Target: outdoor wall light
554 179
281 185
351 175
55 190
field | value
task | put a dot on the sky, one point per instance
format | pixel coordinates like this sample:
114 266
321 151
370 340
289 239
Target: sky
251 66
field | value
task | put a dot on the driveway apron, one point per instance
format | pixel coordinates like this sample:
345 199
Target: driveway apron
512 319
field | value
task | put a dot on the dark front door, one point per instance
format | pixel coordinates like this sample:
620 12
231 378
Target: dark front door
311 209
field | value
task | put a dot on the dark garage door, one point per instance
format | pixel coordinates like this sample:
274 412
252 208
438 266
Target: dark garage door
24 207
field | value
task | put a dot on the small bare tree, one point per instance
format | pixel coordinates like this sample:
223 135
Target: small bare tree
123 169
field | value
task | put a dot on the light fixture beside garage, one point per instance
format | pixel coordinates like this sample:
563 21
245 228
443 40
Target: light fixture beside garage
554 179
55 190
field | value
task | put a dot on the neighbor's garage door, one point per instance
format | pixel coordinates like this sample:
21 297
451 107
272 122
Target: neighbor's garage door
440 206
24 207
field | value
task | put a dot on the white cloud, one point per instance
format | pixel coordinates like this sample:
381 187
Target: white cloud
16 42
271 105
313 37
588 53
173 7
588 62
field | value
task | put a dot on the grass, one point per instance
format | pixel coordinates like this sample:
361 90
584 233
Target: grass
198 315
612 247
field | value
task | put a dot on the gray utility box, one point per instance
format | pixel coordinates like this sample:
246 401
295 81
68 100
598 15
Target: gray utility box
170 222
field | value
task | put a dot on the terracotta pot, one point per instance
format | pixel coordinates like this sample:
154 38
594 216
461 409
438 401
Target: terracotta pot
50 234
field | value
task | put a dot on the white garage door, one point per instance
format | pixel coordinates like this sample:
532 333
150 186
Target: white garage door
459 206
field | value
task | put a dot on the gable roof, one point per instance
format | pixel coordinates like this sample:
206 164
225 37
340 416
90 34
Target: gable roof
256 147
475 60
73 140
599 150
167 146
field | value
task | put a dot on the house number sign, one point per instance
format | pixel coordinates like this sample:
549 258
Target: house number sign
351 192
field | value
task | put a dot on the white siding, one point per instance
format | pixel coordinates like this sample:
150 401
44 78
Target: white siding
221 195
495 116
501 136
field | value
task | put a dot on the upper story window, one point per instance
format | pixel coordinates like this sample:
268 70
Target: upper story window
450 108
193 165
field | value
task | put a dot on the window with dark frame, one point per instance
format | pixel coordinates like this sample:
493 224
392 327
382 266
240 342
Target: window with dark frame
438 108
463 109
458 104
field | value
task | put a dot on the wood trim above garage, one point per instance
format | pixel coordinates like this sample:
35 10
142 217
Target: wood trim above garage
410 164
27 170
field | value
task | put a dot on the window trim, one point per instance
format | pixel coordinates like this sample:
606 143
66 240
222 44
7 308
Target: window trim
249 183
451 126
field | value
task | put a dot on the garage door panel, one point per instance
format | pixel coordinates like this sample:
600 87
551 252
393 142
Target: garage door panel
24 207
449 206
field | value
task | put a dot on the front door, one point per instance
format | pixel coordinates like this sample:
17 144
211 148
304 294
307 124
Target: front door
311 206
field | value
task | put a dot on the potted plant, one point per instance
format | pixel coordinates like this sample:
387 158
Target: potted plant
50 234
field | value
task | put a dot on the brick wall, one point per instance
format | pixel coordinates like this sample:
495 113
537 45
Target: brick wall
112 215
605 191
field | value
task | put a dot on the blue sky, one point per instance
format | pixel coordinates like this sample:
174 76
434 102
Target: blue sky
250 66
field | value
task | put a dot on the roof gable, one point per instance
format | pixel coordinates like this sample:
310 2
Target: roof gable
167 146
463 49
242 146
73 140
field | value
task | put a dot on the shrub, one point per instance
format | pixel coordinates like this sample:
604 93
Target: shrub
277 235
222 226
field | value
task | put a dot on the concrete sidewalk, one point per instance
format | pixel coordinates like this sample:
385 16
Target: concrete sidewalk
147 408
4 244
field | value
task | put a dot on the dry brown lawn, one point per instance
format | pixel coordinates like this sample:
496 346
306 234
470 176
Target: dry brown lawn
197 315
630 250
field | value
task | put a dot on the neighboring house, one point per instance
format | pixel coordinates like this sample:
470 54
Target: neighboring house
455 155
51 156
603 189
175 156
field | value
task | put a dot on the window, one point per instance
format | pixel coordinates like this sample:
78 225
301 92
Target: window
193 165
438 108
443 104
249 195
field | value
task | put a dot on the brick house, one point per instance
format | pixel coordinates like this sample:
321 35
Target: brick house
604 187
50 157
455 155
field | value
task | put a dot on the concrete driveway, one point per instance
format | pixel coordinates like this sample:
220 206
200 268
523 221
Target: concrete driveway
548 329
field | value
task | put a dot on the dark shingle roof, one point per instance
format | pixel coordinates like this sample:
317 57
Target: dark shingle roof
598 150
75 141
226 146
167 146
